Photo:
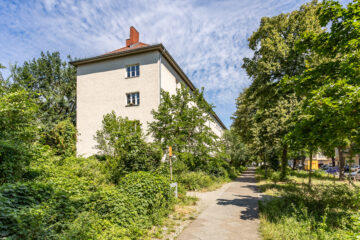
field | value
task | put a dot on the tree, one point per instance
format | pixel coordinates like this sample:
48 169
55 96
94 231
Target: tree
122 143
265 129
275 57
236 149
183 121
54 83
331 79
17 131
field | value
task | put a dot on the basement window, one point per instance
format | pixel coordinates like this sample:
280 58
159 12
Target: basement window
133 71
133 99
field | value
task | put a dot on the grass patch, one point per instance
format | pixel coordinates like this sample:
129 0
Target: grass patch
327 210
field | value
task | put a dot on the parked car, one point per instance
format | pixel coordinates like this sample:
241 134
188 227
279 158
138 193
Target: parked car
355 175
332 170
355 168
325 167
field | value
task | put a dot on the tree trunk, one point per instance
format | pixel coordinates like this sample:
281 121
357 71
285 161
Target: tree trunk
310 168
341 163
303 157
266 170
284 162
333 161
294 163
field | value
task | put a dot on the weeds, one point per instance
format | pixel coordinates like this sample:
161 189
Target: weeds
296 211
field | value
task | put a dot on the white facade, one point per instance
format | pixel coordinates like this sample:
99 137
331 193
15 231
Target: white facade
102 85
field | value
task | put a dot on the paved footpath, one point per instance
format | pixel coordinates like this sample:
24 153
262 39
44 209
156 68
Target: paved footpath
232 215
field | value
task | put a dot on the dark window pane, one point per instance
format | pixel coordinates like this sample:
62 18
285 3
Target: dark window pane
128 74
137 67
132 68
137 73
128 69
133 74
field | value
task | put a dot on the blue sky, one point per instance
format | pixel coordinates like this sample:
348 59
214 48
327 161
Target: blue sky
208 39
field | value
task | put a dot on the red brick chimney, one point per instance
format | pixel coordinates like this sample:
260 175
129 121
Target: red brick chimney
134 37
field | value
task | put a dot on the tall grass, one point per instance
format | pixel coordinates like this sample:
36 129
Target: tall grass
297 211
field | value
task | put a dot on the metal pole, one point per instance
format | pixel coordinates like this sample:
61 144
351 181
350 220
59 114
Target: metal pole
171 178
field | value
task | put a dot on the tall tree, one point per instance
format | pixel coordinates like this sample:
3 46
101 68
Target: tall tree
17 131
54 83
275 57
183 121
331 79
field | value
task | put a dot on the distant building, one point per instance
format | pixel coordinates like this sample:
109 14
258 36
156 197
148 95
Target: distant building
127 80
322 159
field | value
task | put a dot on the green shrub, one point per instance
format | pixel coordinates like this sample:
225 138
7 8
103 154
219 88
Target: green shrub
122 143
233 173
195 180
62 138
17 132
152 190
20 215
76 202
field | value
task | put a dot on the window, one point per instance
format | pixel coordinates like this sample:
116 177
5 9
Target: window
133 71
133 99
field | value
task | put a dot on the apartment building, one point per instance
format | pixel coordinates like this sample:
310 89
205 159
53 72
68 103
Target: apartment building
127 80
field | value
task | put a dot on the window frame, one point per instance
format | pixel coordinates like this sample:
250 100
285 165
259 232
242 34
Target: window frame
133 96
135 71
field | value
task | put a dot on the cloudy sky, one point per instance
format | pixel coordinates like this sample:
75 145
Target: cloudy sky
208 39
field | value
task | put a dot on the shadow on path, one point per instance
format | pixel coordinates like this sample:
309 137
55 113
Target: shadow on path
248 202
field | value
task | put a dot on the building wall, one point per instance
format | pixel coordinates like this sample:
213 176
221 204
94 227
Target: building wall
102 87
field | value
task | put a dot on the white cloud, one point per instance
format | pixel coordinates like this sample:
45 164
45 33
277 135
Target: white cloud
207 38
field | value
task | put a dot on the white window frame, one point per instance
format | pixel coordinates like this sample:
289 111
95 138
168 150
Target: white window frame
133 99
132 71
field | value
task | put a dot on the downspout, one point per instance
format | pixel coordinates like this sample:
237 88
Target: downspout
160 62
160 78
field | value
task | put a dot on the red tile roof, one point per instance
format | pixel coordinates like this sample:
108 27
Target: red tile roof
131 43
137 45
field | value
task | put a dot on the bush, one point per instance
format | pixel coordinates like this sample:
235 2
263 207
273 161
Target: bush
18 215
152 190
195 180
122 144
72 199
17 132
62 138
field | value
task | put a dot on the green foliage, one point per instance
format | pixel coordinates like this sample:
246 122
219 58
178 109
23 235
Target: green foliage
71 199
54 83
182 121
330 80
17 132
195 180
323 212
62 137
152 191
236 148
266 111
326 210
122 143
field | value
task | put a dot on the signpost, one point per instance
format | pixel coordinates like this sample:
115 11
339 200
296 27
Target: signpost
170 155
172 185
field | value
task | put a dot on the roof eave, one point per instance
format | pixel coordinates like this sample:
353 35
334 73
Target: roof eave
116 54
157 47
